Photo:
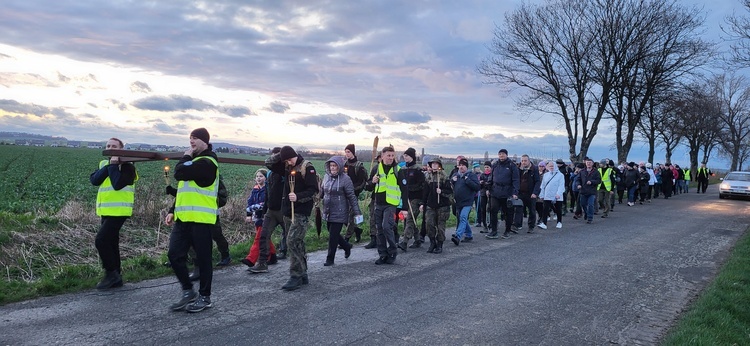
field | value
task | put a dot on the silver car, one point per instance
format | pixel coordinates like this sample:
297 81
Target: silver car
735 184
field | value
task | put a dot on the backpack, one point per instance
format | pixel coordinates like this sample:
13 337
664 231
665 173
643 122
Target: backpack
302 171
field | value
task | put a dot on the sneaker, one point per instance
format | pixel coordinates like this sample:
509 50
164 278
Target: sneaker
492 235
188 296
381 260
505 235
467 240
554 217
402 246
328 263
455 240
542 226
484 230
514 229
559 225
202 303
531 230
259 268
247 262
224 262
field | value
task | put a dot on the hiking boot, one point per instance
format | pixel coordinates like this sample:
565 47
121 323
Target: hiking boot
417 244
348 250
455 240
247 262
273 259
438 247
224 262
294 283
433 244
328 263
492 235
195 275
259 268
402 246
188 296
305 280
200 304
390 259
381 260
111 279
505 235
372 244
357 234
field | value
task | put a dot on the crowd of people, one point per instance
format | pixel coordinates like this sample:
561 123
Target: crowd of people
501 192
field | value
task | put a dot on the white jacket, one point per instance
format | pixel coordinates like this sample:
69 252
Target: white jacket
553 184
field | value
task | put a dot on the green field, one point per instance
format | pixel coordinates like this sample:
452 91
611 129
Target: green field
48 221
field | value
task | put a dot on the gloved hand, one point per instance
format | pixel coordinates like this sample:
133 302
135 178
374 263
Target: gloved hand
171 191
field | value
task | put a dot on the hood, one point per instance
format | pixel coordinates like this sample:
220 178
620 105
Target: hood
338 160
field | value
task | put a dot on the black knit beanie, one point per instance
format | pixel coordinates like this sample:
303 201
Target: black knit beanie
287 153
412 153
202 134
350 147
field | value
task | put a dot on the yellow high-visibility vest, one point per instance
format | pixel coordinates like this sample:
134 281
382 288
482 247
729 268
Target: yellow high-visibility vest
389 184
195 203
606 179
687 173
111 202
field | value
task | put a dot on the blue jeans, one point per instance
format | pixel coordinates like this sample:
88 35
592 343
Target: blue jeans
463 223
587 204
631 193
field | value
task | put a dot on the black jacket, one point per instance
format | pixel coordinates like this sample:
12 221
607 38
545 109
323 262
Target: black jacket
530 177
305 186
120 175
357 173
584 176
504 179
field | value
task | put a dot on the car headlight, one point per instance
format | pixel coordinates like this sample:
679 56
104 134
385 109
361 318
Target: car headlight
724 186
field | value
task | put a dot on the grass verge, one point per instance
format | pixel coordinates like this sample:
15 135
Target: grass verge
721 315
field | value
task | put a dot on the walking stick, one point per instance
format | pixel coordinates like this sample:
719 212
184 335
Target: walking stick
372 162
291 189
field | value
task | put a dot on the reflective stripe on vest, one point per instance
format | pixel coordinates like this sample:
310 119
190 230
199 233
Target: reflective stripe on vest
607 182
111 202
389 185
198 204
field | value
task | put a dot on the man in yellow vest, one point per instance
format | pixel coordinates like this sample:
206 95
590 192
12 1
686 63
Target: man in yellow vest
686 185
389 195
606 187
701 176
114 203
195 212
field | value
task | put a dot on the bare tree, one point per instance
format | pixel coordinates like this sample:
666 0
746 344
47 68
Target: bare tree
697 120
548 50
662 45
738 29
663 121
733 93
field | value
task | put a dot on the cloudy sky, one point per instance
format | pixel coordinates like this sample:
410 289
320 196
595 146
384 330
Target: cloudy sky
318 74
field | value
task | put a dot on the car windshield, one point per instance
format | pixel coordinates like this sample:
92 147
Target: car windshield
738 177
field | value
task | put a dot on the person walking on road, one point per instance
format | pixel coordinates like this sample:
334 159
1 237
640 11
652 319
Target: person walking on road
528 191
551 192
337 194
436 202
505 183
588 180
388 195
114 204
465 187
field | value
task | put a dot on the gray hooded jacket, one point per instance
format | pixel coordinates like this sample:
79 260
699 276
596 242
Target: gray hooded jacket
337 193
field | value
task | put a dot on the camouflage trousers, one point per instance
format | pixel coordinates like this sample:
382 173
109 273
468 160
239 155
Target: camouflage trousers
295 243
435 219
410 228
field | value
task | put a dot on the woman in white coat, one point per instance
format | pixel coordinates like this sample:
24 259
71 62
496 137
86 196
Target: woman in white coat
553 188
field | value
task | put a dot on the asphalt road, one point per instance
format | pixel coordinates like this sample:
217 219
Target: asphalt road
622 280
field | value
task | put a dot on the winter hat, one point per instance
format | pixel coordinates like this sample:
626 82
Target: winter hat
560 162
412 153
475 165
488 163
350 147
202 134
631 164
603 162
287 153
580 165
438 160
503 151
463 162
542 163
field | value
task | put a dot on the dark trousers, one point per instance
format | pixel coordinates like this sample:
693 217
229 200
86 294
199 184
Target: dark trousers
198 236
657 189
221 242
335 239
482 210
385 223
271 219
500 204
575 203
548 206
702 185
108 241
530 204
